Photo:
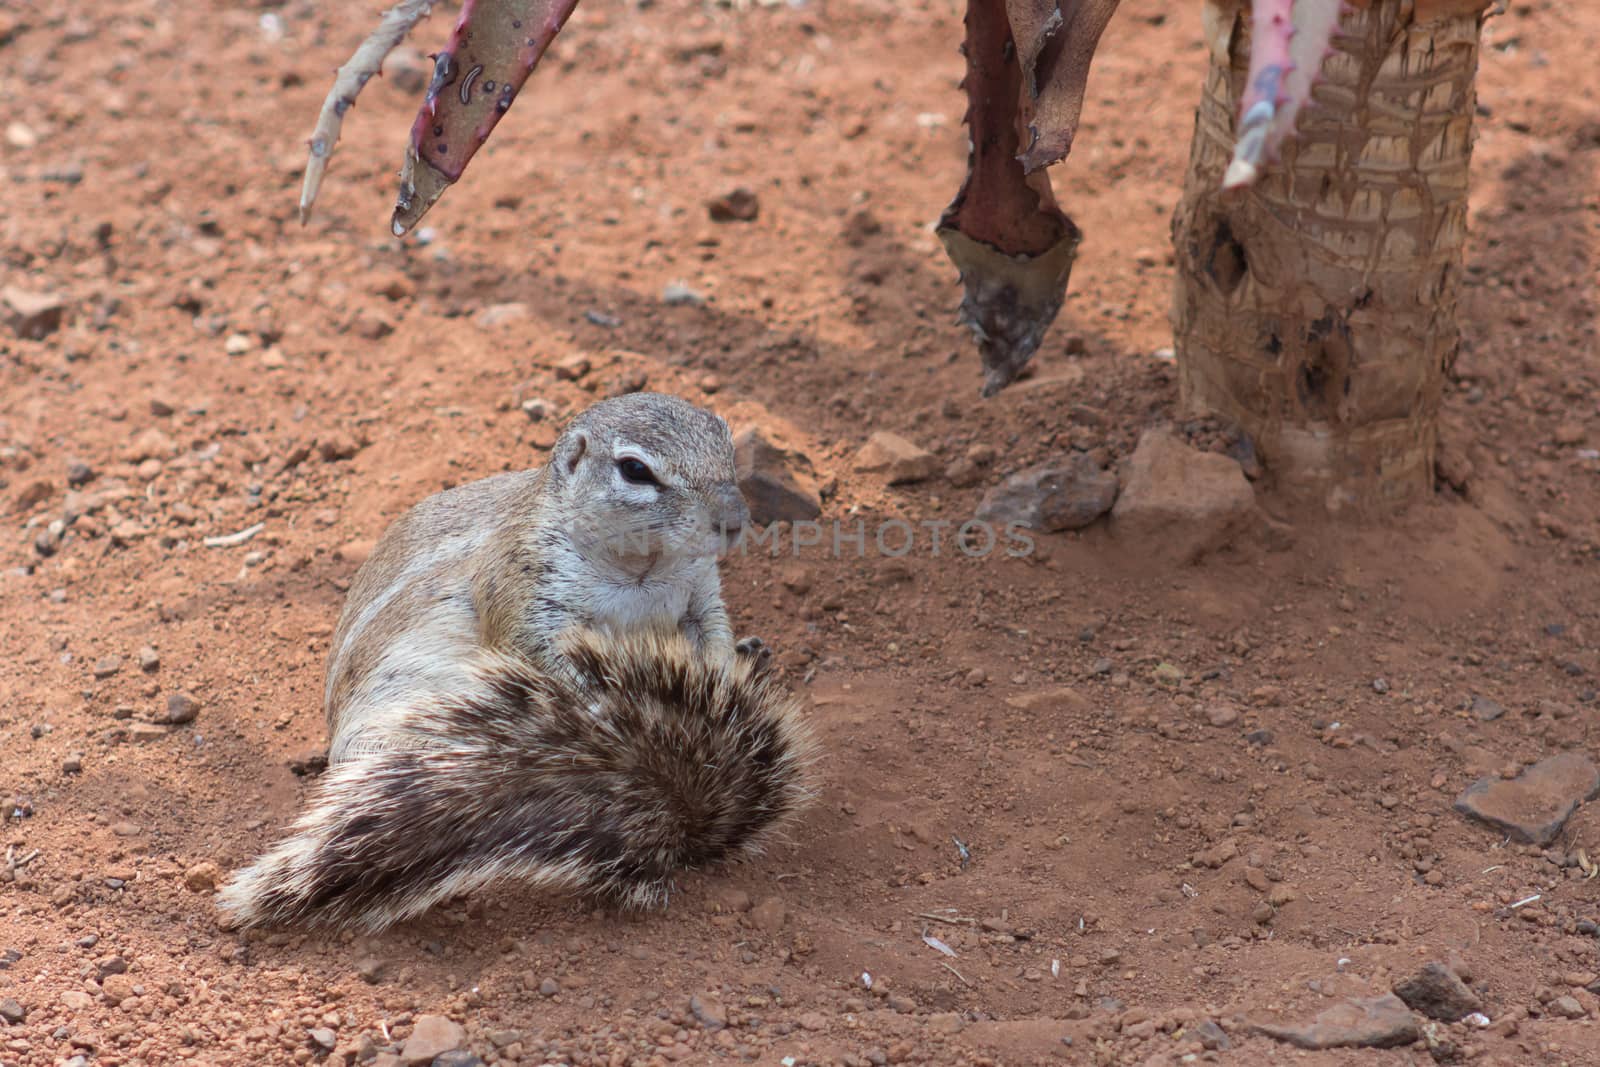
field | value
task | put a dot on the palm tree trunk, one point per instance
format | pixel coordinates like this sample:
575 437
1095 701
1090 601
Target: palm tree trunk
1317 308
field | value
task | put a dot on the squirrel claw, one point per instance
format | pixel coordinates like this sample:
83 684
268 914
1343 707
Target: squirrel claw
754 648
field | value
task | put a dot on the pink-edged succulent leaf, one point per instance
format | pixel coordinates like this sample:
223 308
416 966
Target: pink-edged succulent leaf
1055 42
1003 231
1289 39
494 47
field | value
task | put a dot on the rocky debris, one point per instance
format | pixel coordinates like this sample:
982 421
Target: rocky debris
1366 1022
355 551
407 70
431 1036
549 987
1533 806
1486 710
336 446
1439 993
676 294
572 368
1453 465
707 1011
32 494
457 1058
323 1038
12 1012
1571 433
373 324
31 316
149 660
106 667
500 314
150 443
116 988
735 205
1568 1007
1177 503
1222 715
142 732
632 380
77 1000
181 708
900 460
202 877
79 473
963 473
73 764
1212 1037
1064 495
769 915
777 483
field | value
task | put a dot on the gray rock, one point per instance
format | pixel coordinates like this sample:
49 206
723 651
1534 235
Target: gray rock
108 666
1568 1007
431 1037
1179 504
1437 992
1367 1022
12 1012
181 708
1212 1037
777 484
457 1058
899 459
1486 710
676 294
323 1038
149 660
709 1013
79 473
32 316
1533 806
736 205
1065 495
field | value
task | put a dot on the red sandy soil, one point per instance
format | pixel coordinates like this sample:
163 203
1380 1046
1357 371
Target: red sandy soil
149 176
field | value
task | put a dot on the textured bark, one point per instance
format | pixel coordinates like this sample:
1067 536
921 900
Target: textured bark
1317 307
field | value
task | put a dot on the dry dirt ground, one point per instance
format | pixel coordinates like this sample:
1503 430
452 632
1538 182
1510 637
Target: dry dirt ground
1252 836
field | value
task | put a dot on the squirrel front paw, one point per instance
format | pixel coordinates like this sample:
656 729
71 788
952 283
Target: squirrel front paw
755 649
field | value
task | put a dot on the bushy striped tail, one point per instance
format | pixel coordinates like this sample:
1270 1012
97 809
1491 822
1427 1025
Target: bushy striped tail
652 760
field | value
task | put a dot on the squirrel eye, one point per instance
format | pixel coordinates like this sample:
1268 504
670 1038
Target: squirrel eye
636 472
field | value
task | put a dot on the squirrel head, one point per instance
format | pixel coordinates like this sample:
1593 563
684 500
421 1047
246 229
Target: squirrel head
646 477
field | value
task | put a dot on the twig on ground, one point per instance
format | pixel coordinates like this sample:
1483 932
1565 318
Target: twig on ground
957 920
955 972
234 539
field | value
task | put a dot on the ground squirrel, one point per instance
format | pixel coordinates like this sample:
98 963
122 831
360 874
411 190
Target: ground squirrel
534 675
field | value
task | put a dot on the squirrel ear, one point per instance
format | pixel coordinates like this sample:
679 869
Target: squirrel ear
571 451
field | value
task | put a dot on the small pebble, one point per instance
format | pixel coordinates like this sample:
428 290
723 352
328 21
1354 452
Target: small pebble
676 294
